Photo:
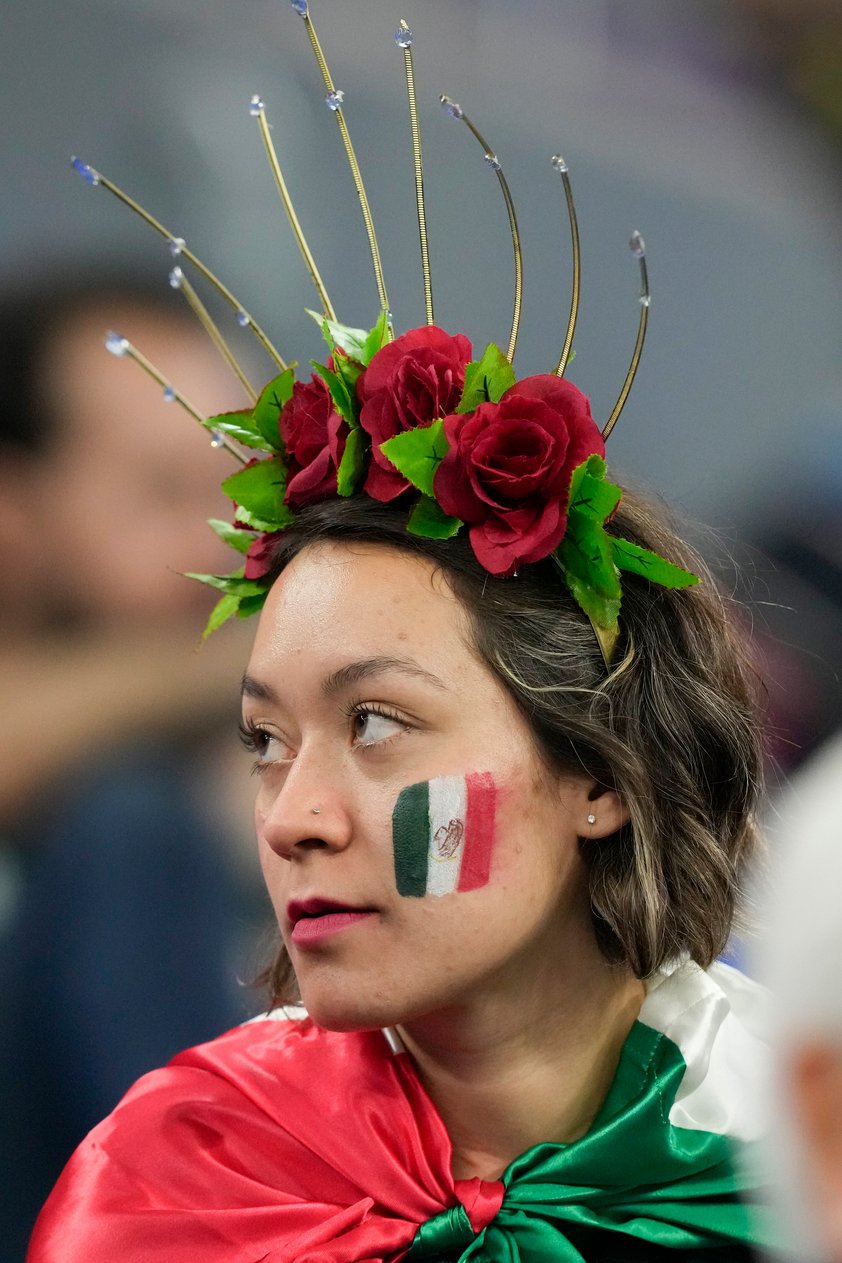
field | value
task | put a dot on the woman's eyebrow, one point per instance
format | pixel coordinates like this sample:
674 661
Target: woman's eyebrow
256 688
367 668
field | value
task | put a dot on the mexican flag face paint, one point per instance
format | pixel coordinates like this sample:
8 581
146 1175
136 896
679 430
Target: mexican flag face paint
443 834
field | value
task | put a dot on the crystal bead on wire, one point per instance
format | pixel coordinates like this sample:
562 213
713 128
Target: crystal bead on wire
243 319
559 164
493 161
169 394
176 278
453 108
88 174
116 344
255 106
300 7
176 245
216 439
637 245
334 99
403 37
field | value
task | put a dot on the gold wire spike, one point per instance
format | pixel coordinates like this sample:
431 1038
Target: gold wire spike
456 111
638 248
564 359
334 98
258 111
403 39
179 248
120 346
180 282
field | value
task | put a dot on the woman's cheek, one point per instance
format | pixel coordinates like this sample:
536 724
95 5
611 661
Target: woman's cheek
444 834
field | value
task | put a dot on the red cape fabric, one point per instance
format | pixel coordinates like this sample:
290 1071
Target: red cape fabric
277 1143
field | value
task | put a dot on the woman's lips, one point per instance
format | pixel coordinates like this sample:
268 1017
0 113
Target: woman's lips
313 929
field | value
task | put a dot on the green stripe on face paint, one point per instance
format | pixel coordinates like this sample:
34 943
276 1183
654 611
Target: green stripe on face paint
411 839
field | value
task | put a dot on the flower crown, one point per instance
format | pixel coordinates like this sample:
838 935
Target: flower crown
417 419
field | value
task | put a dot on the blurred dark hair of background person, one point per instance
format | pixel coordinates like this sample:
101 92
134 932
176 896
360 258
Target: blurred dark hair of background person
128 891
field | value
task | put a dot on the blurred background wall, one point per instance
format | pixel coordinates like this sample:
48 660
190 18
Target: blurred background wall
712 126
668 126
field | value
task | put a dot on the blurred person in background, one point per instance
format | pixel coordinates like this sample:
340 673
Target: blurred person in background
128 902
797 46
799 955
792 577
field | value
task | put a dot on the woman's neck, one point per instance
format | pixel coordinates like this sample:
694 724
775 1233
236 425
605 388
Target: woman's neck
515 1067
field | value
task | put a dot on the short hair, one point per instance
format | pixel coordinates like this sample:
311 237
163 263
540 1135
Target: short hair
673 726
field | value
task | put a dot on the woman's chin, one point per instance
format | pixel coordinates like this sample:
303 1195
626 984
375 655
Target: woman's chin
350 1014
359 1009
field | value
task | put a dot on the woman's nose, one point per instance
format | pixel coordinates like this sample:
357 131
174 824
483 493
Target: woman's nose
308 812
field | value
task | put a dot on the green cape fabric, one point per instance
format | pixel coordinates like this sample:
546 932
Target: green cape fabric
634 1173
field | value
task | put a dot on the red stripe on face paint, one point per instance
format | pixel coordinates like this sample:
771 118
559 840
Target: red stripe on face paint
481 794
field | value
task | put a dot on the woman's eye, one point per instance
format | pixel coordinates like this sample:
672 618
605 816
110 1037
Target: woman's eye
267 747
371 727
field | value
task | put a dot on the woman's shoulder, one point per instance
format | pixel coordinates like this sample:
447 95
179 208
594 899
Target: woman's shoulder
273 1066
276 1132
717 1021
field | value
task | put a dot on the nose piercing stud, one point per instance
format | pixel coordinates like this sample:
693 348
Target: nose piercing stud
316 811
591 819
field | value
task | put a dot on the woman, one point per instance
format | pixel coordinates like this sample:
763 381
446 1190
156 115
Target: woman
504 852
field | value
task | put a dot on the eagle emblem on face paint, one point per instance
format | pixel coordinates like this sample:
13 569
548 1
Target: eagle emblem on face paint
448 839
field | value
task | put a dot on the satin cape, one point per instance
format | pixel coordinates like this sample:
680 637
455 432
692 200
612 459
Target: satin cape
284 1143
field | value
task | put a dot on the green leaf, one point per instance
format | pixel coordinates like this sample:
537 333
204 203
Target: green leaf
234 584
604 611
247 437
591 493
239 426
230 535
224 609
431 521
267 410
418 453
350 371
586 559
351 341
486 380
252 604
594 465
259 524
351 466
637 560
339 393
377 339
587 553
260 489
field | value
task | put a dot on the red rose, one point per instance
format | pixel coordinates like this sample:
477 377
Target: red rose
410 382
314 435
507 472
259 555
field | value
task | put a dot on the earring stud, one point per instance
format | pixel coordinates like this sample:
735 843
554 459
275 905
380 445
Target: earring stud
591 818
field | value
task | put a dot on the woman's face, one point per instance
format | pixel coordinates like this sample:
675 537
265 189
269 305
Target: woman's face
361 685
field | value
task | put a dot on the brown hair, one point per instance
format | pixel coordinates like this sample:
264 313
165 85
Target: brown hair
672 726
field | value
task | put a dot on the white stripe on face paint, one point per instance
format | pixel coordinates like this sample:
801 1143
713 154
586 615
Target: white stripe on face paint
448 804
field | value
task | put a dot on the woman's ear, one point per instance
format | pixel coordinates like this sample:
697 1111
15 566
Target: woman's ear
606 813
598 812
